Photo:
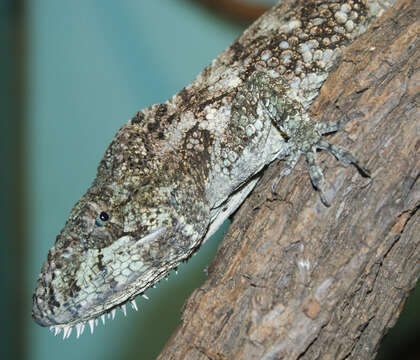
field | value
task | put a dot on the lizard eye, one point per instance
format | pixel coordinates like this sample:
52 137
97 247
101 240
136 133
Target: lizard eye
102 219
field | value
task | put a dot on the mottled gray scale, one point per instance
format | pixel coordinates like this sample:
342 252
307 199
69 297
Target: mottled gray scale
176 171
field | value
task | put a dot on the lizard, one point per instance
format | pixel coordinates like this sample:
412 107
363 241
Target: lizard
176 171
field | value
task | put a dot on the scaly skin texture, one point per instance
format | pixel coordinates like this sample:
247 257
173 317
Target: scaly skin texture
177 170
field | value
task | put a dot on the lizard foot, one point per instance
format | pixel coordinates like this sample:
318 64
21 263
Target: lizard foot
308 144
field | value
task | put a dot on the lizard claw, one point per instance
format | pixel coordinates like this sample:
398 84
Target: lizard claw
275 184
324 199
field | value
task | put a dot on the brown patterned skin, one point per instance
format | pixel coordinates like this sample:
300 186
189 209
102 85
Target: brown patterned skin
177 170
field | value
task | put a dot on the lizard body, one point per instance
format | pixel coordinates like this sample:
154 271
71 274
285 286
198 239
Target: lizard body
176 171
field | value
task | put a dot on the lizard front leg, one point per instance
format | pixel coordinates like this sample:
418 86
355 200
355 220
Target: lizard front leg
303 136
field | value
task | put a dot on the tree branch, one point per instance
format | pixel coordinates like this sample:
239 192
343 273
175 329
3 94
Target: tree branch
296 280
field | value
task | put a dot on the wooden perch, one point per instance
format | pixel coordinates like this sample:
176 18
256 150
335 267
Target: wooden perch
294 279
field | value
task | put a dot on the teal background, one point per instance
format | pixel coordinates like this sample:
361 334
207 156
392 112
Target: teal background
72 72
89 66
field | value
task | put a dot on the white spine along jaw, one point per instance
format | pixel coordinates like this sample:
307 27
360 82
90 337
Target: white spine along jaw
80 327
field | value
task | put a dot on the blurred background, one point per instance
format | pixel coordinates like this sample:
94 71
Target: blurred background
73 72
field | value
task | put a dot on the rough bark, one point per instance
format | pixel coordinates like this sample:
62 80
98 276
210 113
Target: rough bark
296 280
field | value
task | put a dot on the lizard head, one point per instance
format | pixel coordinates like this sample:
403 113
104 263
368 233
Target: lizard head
115 244
118 241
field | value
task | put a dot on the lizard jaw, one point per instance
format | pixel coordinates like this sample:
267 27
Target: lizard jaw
80 326
76 316
66 329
